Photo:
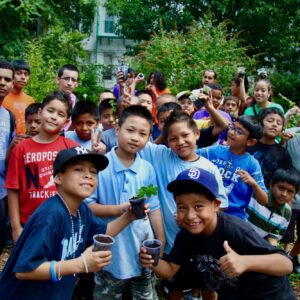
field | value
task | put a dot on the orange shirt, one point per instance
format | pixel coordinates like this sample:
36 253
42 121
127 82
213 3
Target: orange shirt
17 104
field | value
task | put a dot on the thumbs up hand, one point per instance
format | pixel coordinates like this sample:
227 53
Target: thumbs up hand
232 263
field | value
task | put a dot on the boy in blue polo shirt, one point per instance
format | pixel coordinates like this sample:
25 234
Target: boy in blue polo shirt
228 255
240 172
126 173
50 249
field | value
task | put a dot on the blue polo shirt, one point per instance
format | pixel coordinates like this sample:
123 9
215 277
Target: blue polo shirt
117 184
168 165
73 136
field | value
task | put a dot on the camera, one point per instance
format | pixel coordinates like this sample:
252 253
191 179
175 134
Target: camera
241 71
262 74
140 76
124 70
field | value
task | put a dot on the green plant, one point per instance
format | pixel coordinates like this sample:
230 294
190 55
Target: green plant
148 191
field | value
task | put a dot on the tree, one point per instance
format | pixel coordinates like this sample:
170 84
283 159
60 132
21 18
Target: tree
26 19
183 57
268 28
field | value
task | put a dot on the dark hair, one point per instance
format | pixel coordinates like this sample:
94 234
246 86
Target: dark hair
106 104
68 67
177 116
211 71
269 110
160 81
145 92
4 64
131 71
233 98
60 96
215 86
290 175
85 107
20 65
169 106
192 188
236 80
32 109
138 111
252 125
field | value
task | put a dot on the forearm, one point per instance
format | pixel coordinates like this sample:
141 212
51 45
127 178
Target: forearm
105 211
14 208
116 226
42 272
219 122
260 195
165 269
271 264
156 221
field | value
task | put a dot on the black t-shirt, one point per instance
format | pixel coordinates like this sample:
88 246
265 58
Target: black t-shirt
206 137
205 252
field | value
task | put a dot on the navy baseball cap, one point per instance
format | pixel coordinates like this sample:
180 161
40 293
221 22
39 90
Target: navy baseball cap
79 153
193 178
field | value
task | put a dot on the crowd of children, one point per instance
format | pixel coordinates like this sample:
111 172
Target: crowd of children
227 179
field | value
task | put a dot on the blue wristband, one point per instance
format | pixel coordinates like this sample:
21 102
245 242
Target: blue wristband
53 272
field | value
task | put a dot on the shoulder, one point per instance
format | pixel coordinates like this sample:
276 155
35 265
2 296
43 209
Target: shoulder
68 142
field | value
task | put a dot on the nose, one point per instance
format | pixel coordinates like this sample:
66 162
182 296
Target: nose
284 193
190 215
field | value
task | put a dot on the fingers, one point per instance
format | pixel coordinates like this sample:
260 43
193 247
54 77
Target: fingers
145 259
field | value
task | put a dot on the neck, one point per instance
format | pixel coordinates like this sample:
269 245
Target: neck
237 151
45 138
267 140
73 204
193 157
262 104
126 158
16 90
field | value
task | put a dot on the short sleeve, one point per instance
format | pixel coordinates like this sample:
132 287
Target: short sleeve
36 249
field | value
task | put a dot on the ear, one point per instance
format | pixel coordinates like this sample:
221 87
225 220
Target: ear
251 142
39 111
57 80
197 133
217 204
117 129
57 178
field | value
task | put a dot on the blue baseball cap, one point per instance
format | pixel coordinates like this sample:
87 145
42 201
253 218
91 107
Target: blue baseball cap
193 178
79 153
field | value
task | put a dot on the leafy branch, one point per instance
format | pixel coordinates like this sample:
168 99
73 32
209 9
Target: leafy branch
147 190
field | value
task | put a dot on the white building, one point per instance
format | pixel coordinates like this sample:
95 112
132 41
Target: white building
104 47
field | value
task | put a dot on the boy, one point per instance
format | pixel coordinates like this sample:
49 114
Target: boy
85 117
267 151
17 101
231 106
240 172
271 221
7 130
227 254
106 94
51 247
32 119
108 113
126 173
30 172
145 99
67 81
186 102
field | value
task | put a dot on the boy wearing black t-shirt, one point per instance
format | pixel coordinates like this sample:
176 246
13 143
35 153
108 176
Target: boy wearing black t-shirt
51 247
225 252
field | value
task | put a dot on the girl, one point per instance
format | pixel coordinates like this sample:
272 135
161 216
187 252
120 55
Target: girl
262 98
157 84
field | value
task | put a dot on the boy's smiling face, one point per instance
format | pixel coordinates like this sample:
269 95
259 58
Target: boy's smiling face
237 136
273 125
78 181
196 213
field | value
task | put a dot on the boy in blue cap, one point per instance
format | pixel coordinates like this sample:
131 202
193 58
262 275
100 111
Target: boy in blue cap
227 255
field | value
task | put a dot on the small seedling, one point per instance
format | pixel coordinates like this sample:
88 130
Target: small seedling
148 191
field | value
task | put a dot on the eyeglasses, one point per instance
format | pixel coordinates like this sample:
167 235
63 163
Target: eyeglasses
236 130
67 79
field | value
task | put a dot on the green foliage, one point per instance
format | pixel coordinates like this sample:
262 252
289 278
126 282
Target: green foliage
147 191
183 57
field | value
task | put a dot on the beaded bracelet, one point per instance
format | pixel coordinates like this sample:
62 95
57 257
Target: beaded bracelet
53 272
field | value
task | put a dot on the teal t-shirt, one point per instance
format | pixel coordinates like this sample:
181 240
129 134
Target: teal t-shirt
250 111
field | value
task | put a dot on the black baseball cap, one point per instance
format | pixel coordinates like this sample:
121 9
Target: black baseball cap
79 153
194 177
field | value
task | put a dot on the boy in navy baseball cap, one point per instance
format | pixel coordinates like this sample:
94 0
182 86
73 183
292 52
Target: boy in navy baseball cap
225 253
